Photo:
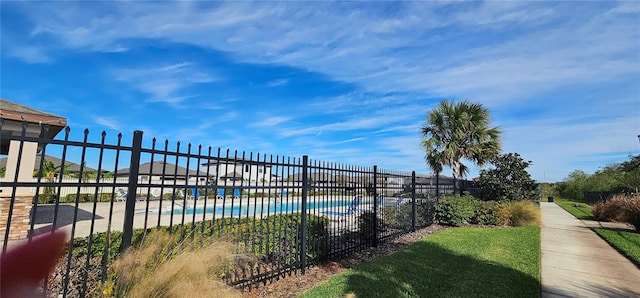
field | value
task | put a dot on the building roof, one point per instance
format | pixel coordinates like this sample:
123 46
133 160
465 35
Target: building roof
231 160
70 167
17 113
13 111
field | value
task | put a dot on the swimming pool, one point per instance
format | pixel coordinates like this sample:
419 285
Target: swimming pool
268 208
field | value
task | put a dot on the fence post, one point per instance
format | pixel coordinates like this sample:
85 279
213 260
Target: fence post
303 245
375 206
134 167
413 201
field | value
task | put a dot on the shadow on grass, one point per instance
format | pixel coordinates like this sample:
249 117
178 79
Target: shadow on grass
428 270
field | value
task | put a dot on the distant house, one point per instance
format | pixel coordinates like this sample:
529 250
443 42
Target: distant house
238 170
321 180
70 168
159 172
428 184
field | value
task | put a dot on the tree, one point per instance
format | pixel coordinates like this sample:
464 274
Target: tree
48 172
509 180
435 162
630 173
574 186
457 131
613 179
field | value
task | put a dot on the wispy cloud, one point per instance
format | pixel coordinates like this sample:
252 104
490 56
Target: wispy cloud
165 83
349 141
384 51
270 121
109 122
279 82
31 54
536 64
352 124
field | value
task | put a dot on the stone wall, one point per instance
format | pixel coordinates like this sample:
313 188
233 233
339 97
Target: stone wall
19 224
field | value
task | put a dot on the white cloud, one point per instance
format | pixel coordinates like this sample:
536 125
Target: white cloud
349 140
109 122
166 83
352 124
383 51
504 54
31 54
279 82
271 121
565 143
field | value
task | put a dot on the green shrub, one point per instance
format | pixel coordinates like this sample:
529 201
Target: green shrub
485 213
400 217
47 198
425 213
455 211
365 225
71 198
104 197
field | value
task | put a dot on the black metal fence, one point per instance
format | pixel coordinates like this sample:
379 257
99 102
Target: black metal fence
286 212
595 197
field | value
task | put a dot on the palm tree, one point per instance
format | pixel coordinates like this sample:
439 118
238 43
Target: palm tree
48 171
435 162
456 131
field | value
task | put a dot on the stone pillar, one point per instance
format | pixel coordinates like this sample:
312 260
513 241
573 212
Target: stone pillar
27 165
19 223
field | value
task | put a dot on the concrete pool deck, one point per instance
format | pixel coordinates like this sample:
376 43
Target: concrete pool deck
108 217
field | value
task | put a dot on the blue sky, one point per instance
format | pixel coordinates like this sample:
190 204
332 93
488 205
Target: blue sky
349 82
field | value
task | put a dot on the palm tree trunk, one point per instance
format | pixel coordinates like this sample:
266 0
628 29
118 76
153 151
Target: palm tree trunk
437 187
456 174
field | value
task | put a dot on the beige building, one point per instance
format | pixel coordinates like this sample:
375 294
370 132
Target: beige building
16 120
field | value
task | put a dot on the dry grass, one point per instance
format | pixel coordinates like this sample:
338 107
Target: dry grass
522 213
162 268
620 208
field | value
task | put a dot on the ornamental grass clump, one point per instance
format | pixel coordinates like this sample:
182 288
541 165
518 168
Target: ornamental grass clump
523 213
620 208
162 267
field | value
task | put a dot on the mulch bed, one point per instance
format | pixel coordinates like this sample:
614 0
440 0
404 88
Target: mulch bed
296 284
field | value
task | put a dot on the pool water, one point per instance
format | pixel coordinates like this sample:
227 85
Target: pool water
270 208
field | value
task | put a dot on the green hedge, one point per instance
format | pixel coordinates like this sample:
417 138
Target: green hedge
399 217
455 211
268 235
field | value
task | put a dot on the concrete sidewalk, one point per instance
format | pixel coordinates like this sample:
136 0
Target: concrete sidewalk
576 262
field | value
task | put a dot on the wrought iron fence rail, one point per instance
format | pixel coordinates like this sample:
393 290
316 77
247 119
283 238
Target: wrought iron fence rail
300 213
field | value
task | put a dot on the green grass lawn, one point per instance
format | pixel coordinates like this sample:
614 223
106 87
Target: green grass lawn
583 211
459 262
627 242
